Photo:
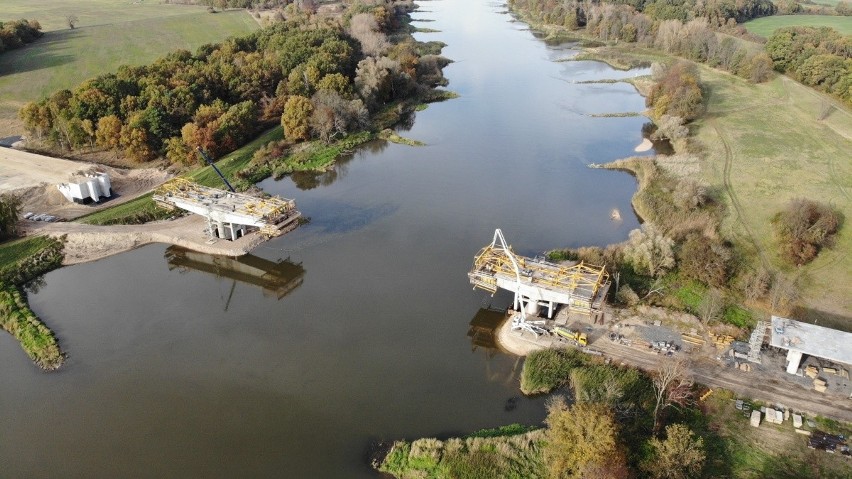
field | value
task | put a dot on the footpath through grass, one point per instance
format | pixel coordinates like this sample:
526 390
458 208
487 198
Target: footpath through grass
106 38
767 144
766 25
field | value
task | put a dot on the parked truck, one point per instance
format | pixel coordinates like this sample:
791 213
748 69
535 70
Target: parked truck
572 335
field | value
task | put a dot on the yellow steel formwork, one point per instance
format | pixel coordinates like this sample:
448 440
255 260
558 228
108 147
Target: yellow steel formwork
269 209
581 281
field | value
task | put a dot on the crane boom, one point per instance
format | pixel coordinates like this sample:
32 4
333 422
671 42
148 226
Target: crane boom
210 162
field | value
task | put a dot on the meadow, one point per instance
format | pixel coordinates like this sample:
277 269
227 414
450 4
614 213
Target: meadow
109 33
766 144
766 25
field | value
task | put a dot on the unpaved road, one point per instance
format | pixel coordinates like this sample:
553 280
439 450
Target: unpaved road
704 371
22 169
745 384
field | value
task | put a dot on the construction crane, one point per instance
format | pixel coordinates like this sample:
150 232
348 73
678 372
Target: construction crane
210 162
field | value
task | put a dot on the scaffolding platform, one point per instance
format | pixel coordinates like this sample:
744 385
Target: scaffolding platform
229 214
581 287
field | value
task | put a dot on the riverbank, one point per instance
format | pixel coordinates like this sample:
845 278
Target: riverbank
84 243
22 261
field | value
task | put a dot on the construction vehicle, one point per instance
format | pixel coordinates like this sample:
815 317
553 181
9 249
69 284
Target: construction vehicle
572 335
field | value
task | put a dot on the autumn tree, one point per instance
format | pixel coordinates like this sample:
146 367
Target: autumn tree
9 210
671 385
364 28
705 260
296 118
804 227
582 440
108 133
649 251
680 456
134 140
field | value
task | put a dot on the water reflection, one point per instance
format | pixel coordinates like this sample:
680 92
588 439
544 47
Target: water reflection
483 335
308 180
276 279
483 330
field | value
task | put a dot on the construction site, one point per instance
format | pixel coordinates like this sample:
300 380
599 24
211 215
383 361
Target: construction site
230 215
800 366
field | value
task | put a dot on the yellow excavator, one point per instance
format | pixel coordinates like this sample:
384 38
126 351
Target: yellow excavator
572 335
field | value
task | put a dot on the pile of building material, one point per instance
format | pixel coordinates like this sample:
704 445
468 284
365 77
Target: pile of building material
820 385
774 416
721 341
755 418
811 371
692 339
743 366
797 421
837 372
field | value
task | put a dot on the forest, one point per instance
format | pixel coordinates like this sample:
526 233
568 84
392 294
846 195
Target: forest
318 78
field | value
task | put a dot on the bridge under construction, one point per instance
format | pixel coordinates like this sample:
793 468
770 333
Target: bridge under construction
230 215
537 282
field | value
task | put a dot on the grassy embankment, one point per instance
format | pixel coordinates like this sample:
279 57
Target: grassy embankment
766 25
22 261
109 33
757 147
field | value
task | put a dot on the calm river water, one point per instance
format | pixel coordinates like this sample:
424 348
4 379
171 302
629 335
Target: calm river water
182 369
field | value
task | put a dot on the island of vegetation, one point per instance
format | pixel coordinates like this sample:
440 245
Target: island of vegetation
716 242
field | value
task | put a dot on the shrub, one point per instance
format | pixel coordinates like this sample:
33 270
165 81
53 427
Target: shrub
549 369
804 228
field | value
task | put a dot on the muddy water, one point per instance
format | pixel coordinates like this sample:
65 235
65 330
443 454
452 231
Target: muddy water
354 327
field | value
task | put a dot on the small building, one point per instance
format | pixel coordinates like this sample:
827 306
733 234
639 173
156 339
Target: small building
86 189
801 339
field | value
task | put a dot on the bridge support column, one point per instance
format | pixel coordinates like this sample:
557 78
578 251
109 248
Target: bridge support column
793 360
550 310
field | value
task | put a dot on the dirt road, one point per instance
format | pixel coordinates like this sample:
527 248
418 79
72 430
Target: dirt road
704 371
21 169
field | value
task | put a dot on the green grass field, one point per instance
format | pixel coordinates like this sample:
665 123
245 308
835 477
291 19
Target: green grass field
13 251
766 145
110 33
766 25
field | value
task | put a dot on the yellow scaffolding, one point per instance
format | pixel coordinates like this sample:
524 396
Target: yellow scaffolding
581 281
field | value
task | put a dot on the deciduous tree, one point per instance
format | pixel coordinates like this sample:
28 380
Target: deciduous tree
580 440
9 205
296 118
671 385
650 251
680 456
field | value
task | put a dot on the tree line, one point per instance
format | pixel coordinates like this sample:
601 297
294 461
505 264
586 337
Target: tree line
816 56
575 13
18 33
318 78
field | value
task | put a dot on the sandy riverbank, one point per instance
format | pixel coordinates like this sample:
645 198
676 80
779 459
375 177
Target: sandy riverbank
86 243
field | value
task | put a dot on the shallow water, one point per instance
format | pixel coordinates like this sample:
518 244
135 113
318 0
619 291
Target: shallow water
185 370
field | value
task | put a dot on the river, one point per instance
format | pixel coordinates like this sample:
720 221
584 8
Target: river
183 366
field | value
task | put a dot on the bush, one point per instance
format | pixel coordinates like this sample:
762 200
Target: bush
804 228
549 369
